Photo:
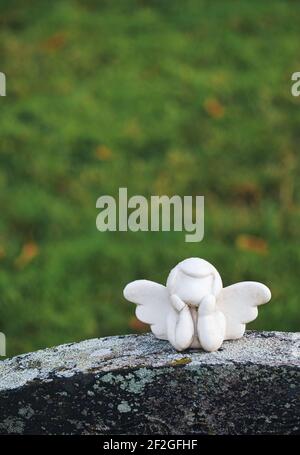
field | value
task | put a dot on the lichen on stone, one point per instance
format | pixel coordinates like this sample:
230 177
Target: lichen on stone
139 384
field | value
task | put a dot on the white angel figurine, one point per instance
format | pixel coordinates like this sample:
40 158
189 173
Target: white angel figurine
193 310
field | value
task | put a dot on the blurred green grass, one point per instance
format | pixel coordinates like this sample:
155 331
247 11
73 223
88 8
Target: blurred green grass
162 97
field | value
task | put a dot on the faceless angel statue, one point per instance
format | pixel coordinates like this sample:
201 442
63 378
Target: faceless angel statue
193 310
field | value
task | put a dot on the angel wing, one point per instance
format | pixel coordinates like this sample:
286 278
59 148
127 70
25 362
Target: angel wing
238 303
153 304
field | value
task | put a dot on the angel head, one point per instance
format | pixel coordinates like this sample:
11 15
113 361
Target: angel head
193 279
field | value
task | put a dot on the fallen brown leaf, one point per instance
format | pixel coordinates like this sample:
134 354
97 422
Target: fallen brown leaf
137 325
29 251
54 42
214 108
103 153
252 243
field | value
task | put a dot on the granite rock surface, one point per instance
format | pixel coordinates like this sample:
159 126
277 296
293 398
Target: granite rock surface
137 384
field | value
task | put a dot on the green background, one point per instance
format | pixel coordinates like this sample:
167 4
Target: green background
162 97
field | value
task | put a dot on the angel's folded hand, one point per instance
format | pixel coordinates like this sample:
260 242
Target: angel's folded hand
177 303
208 304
